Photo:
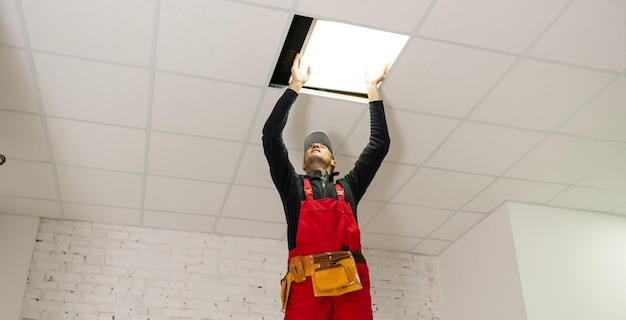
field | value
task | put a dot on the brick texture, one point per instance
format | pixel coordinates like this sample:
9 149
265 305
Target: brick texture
91 271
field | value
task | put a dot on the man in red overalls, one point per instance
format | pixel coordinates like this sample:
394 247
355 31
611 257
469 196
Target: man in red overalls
321 211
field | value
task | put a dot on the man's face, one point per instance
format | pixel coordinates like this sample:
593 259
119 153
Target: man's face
318 156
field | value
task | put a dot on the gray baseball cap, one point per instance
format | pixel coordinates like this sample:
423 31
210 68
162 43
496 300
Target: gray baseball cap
317 136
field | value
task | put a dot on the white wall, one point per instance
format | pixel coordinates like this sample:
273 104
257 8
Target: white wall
537 263
572 263
17 239
479 274
91 271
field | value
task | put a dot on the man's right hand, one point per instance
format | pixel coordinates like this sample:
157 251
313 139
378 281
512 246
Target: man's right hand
372 80
298 76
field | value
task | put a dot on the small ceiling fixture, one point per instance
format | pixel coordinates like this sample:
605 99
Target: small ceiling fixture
338 54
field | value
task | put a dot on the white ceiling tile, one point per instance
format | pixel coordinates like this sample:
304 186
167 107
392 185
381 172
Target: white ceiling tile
610 175
388 179
246 202
366 210
177 221
30 207
407 220
85 90
452 79
203 107
620 210
81 212
590 199
537 88
11 25
269 100
431 247
188 196
413 136
22 136
563 159
96 145
254 170
388 242
505 189
483 148
109 188
17 90
603 117
402 15
285 4
192 157
247 228
504 25
590 33
117 30
27 179
441 189
219 39
457 225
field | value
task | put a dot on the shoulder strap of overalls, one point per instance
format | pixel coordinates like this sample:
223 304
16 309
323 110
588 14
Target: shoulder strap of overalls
308 191
340 192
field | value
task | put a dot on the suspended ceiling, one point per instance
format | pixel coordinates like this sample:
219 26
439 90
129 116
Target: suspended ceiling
149 113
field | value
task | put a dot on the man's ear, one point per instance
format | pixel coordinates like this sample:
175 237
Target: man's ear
333 164
303 166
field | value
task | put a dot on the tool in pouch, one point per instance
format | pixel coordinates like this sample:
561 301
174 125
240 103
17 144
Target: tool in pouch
332 274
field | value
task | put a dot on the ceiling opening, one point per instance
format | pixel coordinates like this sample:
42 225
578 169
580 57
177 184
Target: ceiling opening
338 53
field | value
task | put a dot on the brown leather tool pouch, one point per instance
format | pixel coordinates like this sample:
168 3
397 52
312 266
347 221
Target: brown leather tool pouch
285 288
336 275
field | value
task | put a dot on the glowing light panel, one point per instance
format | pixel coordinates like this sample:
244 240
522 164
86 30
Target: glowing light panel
339 54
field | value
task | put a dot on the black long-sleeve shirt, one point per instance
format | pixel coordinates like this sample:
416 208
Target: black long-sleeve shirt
290 184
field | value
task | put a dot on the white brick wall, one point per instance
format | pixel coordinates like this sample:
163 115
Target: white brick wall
91 271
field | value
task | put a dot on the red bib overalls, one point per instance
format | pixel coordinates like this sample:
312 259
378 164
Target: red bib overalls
327 225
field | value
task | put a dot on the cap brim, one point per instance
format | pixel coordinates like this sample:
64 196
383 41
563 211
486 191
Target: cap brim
317 137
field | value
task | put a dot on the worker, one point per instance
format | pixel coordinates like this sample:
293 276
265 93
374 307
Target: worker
327 276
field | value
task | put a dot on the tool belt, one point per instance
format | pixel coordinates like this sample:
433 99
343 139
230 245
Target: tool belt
332 273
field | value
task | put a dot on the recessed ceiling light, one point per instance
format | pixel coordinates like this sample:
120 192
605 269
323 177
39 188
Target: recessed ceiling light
338 53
